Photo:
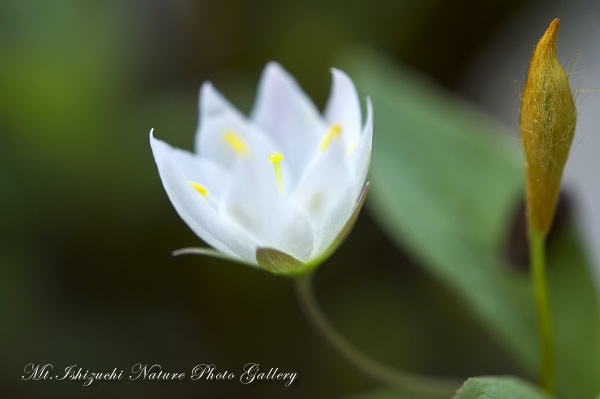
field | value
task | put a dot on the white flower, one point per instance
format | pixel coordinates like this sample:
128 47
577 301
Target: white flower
279 189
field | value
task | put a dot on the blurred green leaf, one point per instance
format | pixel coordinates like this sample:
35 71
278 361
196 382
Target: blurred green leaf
445 186
499 388
394 394
473 388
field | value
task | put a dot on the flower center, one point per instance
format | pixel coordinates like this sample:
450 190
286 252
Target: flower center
236 143
276 157
334 131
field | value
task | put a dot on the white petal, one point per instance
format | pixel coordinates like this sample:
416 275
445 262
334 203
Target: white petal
254 202
218 120
325 195
343 107
288 117
360 157
177 168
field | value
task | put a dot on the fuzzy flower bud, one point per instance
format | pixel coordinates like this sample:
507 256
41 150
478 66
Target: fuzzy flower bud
547 126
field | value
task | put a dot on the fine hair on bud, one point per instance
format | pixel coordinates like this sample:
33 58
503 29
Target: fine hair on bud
547 126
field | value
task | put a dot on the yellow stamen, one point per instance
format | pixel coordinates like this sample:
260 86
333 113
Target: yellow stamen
352 147
276 157
236 143
200 188
334 131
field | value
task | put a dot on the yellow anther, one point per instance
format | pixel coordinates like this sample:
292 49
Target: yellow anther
334 131
352 147
276 157
236 143
200 188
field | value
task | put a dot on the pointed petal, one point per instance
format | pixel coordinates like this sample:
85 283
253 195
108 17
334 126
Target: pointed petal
177 168
324 195
255 204
343 233
360 158
343 107
288 116
224 134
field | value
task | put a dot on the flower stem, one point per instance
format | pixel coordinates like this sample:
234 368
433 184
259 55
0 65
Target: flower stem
538 269
363 363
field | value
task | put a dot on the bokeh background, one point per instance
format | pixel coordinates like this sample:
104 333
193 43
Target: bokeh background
86 275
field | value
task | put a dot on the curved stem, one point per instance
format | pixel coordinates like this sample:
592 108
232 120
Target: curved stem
362 362
538 269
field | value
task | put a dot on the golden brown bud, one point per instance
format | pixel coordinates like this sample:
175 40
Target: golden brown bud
547 126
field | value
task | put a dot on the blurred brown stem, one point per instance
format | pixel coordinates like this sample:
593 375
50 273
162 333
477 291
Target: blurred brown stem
368 366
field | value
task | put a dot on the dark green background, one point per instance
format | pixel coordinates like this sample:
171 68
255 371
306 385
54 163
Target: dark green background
87 230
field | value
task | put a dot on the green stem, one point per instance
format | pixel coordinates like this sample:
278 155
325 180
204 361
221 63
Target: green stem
538 269
365 364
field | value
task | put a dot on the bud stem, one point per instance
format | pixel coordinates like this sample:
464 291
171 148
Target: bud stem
367 365
538 270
